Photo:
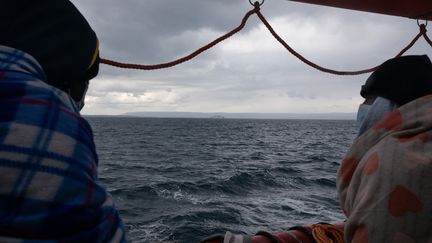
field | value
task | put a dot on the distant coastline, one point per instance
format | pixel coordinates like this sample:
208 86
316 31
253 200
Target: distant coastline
224 115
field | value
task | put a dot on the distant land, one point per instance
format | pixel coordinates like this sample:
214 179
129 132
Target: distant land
223 115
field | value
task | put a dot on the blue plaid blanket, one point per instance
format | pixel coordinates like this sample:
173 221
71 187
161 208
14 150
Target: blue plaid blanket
48 163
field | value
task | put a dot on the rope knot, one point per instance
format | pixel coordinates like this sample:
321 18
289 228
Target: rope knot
257 4
423 29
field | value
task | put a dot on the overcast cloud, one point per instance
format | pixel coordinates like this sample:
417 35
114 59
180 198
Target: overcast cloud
250 72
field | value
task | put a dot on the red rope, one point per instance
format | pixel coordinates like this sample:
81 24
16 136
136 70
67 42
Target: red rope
327 70
306 61
422 32
426 37
188 57
256 10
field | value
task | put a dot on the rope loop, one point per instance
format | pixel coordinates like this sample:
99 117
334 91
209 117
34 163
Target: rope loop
425 23
257 3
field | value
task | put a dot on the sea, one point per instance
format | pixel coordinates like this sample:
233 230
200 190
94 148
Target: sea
181 180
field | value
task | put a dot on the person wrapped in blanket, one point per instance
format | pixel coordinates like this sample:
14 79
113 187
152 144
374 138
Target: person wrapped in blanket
384 181
49 190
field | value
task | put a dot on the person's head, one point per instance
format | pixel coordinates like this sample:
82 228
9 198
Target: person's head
395 83
400 80
56 34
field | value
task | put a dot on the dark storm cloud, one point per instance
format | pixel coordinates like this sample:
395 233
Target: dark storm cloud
153 30
150 30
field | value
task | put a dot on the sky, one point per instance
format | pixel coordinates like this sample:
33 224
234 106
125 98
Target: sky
248 73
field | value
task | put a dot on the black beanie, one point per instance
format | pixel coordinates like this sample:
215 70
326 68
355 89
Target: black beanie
56 34
400 79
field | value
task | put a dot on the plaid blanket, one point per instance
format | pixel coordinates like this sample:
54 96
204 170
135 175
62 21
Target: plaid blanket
384 182
48 164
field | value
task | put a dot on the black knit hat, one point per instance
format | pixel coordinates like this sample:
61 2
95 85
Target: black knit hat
56 34
400 80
